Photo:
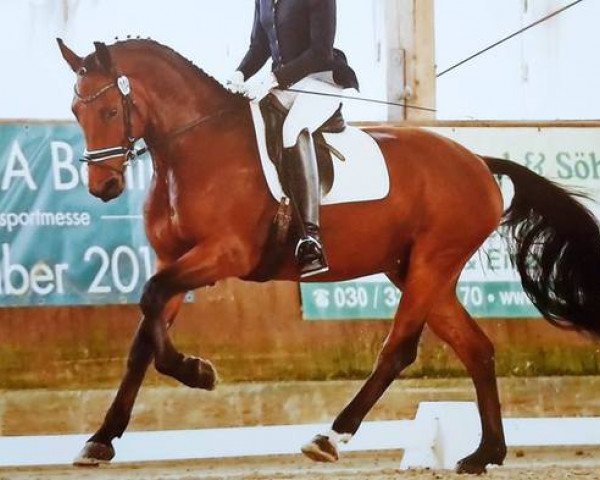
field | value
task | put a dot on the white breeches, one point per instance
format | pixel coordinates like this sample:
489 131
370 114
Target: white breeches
307 111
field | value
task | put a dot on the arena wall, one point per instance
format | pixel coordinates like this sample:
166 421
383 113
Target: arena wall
254 332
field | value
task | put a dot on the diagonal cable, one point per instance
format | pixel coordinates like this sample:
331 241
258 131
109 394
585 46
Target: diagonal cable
512 35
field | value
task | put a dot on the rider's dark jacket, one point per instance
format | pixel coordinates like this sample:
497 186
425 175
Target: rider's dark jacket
298 35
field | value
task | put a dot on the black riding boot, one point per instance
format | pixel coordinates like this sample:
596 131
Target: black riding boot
303 182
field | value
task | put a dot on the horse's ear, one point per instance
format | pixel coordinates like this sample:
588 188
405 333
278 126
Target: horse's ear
103 56
74 61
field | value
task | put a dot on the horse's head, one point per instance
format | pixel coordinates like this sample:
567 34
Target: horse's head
111 121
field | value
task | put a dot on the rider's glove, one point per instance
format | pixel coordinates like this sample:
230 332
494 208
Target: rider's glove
235 83
261 89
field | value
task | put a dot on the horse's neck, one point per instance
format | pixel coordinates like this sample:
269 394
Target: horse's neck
174 92
201 169
185 106
189 127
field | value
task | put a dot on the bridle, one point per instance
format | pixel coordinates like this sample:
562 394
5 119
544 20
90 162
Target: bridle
98 157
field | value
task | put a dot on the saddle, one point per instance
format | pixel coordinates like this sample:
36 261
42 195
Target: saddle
363 175
274 114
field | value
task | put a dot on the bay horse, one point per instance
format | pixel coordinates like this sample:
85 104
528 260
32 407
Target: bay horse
208 216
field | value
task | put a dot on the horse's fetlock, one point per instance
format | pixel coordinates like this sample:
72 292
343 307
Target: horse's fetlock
163 366
169 363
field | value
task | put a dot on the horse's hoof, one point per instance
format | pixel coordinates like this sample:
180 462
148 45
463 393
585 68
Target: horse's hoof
477 462
209 373
199 373
467 467
94 454
321 449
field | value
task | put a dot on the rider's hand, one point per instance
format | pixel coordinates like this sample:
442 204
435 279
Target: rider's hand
235 83
261 89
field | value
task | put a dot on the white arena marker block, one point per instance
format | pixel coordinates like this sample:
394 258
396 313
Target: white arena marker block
449 431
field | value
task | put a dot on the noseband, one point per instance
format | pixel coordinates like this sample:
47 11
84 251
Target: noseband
99 156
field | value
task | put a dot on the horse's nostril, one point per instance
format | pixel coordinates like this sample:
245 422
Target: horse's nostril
107 190
111 184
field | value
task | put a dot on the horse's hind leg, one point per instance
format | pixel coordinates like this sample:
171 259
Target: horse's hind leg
430 275
451 322
99 449
392 360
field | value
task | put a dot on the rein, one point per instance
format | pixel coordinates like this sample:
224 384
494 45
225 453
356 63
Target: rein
194 123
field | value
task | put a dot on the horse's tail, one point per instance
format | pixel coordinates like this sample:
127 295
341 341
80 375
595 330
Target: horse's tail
555 246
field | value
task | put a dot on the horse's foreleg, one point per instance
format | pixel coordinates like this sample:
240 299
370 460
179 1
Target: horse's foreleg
425 282
201 266
451 322
191 371
98 448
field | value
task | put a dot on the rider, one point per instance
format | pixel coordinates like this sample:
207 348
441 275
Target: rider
298 36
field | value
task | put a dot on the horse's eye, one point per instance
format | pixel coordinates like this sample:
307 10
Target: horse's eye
109 113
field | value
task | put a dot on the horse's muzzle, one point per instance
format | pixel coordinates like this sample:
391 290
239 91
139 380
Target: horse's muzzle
108 190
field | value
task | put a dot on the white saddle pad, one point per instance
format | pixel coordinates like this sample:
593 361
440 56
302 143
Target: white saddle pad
362 177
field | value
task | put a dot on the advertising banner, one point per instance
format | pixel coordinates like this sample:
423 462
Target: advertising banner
58 244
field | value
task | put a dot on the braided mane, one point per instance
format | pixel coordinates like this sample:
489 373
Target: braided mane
149 46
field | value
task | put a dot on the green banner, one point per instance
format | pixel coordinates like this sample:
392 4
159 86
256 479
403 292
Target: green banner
58 244
489 286
379 299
